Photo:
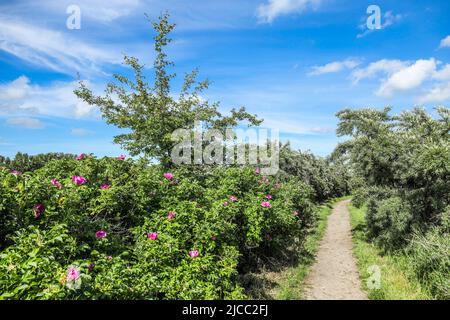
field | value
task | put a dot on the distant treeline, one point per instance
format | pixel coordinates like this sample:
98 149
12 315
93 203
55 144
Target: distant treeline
24 162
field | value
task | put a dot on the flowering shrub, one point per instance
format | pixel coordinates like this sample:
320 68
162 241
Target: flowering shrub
151 234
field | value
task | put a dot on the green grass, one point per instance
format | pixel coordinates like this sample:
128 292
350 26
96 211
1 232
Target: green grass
290 282
397 278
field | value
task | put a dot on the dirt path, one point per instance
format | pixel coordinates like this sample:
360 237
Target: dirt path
334 275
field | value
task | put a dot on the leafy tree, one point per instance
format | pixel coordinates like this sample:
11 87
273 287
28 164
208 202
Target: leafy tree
150 112
405 162
23 162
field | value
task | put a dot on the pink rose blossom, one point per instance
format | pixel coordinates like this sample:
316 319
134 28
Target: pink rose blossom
16 173
193 253
265 204
168 175
233 199
171 215
101 234
269 196
121 157
56 183
152 235
81 156
73 274
226 203
38 209
79 180
105 186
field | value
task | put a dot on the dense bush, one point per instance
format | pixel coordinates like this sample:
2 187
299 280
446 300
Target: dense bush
111 228
327 177
430 256
403 164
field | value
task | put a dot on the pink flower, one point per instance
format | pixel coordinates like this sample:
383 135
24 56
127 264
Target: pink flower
38 209
168 175
81 156
257 170
79 180
171 215
152 235
121 157
265 204
105 186
56 183
233 199
16 173
193 253
295 213
73 274
109 258
101 234
226 203
269 196
213 238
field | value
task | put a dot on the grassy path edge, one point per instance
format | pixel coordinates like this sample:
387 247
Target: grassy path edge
291 283
396 280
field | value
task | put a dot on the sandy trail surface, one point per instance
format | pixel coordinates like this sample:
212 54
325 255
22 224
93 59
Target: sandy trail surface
334 275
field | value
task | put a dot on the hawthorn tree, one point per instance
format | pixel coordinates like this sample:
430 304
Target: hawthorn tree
150 112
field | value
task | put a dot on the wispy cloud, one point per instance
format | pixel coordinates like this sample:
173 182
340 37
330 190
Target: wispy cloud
25 122
388 20
291 127
53 50
335 66
269 11
81 132
437 94
445 42
20 97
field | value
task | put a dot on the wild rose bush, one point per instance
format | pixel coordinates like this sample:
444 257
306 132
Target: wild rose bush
113 228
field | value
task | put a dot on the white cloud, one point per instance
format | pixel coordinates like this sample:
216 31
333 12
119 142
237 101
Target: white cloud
269 11
51 49
385 66
445 42
400 76
25 122
334 67
20 97
443 74
437 94
408 78
388 20
16 89
80 132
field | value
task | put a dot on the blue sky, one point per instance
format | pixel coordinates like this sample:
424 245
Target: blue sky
295 63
